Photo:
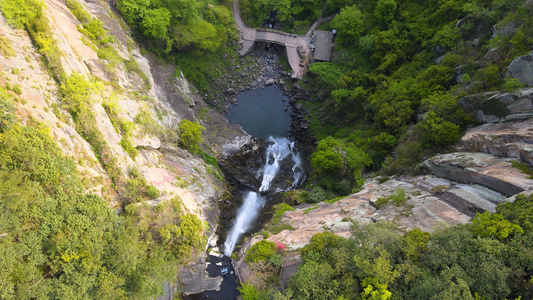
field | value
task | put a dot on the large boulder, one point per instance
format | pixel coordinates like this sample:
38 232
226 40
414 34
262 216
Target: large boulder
509 139
521 68
494 107
479 168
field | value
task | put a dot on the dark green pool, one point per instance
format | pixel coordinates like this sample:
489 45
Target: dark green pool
261 113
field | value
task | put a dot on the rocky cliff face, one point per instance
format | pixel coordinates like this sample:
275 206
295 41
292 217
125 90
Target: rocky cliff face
135 89
130 88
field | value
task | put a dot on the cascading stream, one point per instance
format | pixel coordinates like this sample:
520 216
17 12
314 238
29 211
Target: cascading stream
277 152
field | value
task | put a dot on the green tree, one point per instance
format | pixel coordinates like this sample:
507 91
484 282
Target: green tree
249 292
518 212
494 225
415 243
385 10
133 10
437 131
449 284
190 135
320 246
156 22
349 24
334 155
314 281
21 13
374 290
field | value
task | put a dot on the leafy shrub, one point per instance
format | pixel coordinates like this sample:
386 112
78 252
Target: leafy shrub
128 147
279 209
317 194
152 192
383 179
137 189
320 246
398 198
494 225
384 11
490 76
134 190
338 165
380 202
276 260
5 48
78 11
437 131
512 84
76 95
7 116
519 212
249 292
261 251
190 135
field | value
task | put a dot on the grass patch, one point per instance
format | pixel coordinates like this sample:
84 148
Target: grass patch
310 209
397 198
331 201
524 168
5 48
76 99
279 209
122 127
276 226
145 120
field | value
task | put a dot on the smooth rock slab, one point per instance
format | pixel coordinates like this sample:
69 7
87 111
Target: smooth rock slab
194 279
513 140
521 68
481 168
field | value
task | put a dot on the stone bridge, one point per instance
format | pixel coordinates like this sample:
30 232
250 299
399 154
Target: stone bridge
298 47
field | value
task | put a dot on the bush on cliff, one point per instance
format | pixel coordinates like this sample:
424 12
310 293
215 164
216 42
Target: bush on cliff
190 135
261 251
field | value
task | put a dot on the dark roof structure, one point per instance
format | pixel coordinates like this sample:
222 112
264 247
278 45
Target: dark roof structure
287 270
324 41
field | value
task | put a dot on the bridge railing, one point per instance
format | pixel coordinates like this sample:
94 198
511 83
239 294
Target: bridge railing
276 31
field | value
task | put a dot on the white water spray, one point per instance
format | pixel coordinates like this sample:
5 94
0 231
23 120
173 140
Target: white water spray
280 149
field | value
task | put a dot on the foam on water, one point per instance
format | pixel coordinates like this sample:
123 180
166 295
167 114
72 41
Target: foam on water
277 151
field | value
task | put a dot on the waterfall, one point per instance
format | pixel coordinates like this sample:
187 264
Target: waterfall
277 151
247 213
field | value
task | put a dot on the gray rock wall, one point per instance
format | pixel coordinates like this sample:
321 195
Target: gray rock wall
521 68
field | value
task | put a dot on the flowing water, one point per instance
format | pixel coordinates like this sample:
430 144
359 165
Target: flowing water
265 114
281 150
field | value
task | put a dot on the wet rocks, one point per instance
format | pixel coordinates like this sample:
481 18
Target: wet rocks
241 168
